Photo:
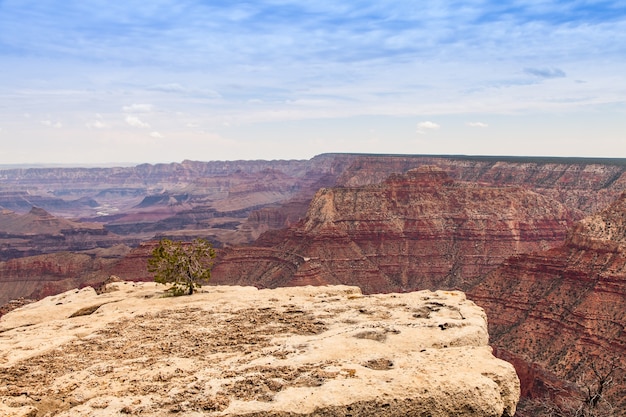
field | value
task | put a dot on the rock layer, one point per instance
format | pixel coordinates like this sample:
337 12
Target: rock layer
556 313
236 351
38 232
233 202
563 311
413 231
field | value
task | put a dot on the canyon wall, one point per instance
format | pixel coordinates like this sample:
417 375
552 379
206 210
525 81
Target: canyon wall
38 232
39 276
108 194
554 287
563 311
413 231
502 229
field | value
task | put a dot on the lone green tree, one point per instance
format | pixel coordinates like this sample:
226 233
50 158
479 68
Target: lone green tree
183 264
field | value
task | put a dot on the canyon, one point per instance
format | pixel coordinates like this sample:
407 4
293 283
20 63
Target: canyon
560 314
537 242
554 287
412 231
232 203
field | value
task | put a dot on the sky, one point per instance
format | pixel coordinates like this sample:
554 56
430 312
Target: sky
100 81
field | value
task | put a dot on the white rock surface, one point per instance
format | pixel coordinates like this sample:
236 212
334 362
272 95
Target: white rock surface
233 351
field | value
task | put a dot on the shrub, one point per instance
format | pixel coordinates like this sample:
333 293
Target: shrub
183 264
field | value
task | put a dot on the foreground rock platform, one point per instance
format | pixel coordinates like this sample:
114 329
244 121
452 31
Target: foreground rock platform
239 351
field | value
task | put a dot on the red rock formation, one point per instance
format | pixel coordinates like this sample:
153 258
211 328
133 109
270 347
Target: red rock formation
414 231
39 232
133 266
581 184
39 221
585 184
561 310
548 308
42 275
553 312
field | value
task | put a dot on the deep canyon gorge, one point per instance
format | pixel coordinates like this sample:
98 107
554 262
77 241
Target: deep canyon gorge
539 243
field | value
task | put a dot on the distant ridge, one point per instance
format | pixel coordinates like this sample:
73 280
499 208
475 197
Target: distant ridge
496 158
68 165
493 158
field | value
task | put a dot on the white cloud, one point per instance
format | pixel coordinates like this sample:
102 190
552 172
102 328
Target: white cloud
135 121
50 123
138 108
423 127
156 135
477 124
96 124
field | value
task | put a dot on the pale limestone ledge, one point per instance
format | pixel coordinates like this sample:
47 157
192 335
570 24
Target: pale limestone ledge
231 351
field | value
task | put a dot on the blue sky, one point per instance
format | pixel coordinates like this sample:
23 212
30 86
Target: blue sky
90 81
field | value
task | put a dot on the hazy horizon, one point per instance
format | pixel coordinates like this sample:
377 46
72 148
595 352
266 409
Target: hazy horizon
513 158
94 83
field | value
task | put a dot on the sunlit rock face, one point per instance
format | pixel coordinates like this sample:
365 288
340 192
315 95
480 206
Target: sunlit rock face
556 300
38 232
239 351
559 312
413 231
233 202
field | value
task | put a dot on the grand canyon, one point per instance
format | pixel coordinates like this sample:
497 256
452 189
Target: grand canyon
538 243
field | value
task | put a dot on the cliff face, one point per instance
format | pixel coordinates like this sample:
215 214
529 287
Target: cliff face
584 184
186 200
551 303
42 275
413 231
234 351
564 310
126 196
556 300
38 232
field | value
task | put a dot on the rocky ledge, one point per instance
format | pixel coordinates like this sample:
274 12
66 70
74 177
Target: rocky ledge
235 351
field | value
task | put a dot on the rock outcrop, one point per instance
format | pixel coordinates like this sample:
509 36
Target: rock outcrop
42 275
234 202
556 313
237 351
563 311
414 231
38 232
586 184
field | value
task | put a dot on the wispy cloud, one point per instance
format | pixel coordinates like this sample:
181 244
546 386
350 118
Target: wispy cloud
424 127
175 88
156 135
477 124
545 72
138 108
